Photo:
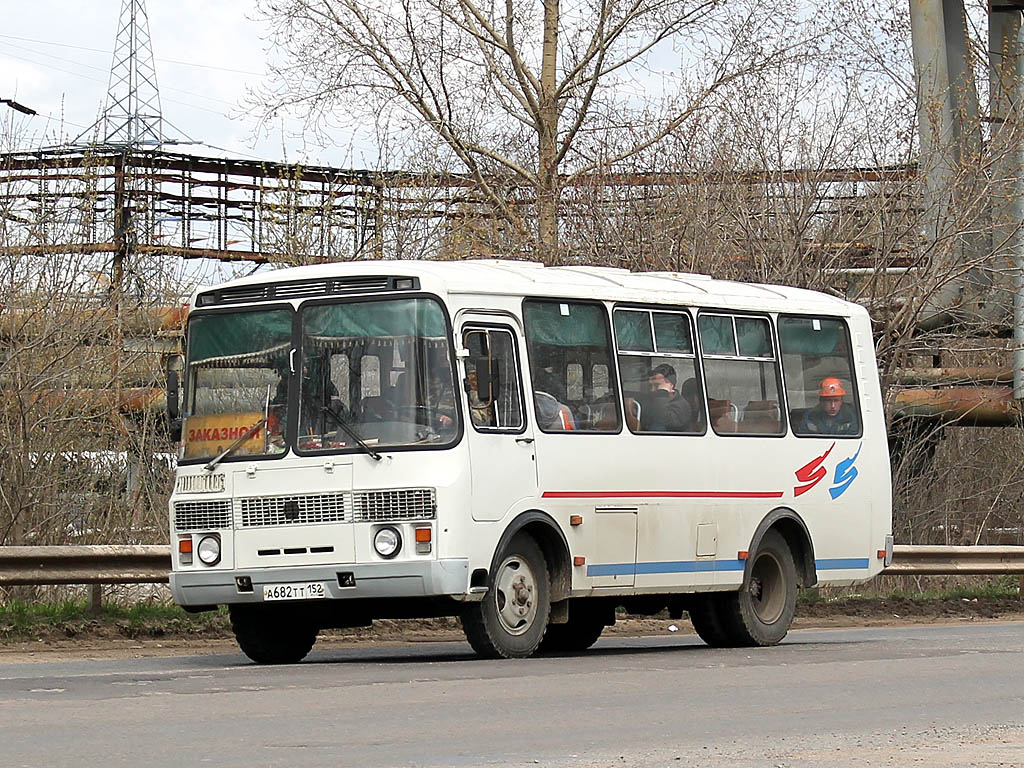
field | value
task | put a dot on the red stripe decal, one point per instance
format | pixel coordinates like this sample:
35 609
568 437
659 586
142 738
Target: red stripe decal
662 494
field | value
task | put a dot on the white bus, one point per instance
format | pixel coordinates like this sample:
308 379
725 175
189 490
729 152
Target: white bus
526 447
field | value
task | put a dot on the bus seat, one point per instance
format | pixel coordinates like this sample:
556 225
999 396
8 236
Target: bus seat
723 415
552 415
606 417
761 416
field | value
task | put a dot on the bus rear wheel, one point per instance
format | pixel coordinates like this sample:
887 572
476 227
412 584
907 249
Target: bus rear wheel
270 636
585 625
761 612
509 622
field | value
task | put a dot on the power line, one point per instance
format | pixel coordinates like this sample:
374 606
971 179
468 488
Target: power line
97 80
166 61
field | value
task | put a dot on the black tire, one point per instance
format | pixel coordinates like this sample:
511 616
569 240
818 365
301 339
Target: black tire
706 615
585 625
761 612
509 622
269 636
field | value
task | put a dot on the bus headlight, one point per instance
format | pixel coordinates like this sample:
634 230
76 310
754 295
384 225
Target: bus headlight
208 550
387 542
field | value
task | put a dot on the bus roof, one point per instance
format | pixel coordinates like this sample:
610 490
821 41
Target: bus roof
507 277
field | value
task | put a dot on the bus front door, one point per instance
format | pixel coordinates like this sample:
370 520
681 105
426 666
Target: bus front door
504 467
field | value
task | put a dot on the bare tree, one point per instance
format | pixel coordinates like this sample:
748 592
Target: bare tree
526 95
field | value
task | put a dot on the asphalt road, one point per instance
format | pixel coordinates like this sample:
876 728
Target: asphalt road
908 696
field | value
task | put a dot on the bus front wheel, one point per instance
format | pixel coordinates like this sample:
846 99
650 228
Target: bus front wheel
510 621
761 612
270 636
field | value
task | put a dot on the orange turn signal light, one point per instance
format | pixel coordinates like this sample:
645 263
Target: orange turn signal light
881 554
185 546
423 534
576 520
579 561
742 555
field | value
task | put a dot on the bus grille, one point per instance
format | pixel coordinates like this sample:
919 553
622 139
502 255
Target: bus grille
257 511
404 504
195 515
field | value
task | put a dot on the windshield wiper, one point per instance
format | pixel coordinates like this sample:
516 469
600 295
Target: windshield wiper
351 432
212 464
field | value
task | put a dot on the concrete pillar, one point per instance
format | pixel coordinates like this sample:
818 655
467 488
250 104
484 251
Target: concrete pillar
950 137
1006 95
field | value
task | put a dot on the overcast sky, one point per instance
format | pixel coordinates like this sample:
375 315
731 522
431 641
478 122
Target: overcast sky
55 57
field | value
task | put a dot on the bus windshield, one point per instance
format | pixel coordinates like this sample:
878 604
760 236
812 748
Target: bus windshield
375 370
237 379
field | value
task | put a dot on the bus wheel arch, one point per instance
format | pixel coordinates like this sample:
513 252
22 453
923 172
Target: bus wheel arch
552 542
793 529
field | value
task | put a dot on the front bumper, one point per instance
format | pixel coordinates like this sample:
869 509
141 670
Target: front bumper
431 578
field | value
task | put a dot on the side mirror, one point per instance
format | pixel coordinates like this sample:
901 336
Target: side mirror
488 380
174 363
173 394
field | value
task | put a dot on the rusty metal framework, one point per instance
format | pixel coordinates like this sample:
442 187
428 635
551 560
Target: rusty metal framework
120 200
115 200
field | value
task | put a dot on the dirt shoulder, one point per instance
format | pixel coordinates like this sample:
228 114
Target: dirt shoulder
94 639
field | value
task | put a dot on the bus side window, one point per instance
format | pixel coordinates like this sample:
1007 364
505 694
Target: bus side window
820 385
658 368
742 374
564 339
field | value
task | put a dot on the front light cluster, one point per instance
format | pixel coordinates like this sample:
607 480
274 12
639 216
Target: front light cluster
207 550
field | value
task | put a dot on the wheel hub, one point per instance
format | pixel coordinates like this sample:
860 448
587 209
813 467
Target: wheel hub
767 588
515 587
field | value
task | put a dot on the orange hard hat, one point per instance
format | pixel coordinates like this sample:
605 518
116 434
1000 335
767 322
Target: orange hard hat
831 387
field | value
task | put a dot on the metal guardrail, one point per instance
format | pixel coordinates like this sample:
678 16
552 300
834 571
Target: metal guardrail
138 564
100 564
913 560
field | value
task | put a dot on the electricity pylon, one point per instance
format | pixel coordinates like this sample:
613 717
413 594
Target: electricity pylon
132 114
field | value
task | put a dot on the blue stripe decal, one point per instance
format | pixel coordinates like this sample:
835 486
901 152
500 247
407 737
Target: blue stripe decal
679 566
704 566
612 569
841 563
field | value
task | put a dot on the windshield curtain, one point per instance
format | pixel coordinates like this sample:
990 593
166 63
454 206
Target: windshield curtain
380 368
237 379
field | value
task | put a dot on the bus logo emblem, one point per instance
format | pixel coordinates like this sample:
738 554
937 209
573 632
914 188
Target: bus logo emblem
813 472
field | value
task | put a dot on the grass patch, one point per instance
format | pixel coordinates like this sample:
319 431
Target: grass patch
1002 586
994 588
20 620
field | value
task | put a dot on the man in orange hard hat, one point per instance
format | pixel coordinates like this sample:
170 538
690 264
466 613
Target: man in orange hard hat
831 416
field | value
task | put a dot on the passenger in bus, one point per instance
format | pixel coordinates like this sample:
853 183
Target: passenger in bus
831 416
440 404
480 411
690 392
666 409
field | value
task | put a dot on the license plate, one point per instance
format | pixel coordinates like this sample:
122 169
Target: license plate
310 590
